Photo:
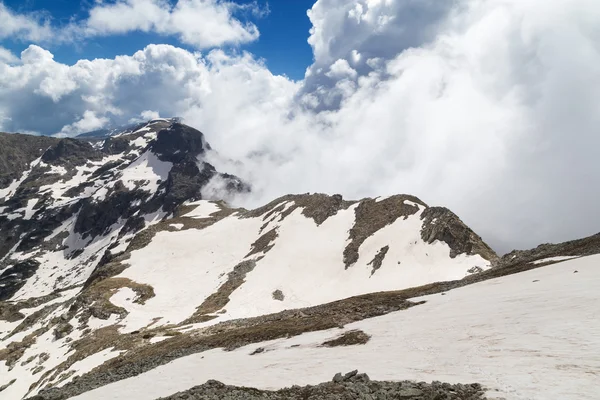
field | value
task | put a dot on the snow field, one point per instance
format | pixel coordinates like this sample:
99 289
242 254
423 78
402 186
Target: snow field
306 264
529 336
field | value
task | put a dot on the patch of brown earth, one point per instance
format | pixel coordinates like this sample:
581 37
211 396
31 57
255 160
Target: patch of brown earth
220 298
11 312
33 319
15 350
317 206
580 247
95 299
348 386
349 338
264 243
372 215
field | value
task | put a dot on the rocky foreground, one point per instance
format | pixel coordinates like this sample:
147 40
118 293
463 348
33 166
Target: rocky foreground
343 387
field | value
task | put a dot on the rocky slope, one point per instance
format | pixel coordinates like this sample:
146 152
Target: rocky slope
351 385
113 261
74 199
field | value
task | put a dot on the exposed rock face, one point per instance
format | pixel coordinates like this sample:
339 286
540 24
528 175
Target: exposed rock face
71 153
443 225
317 206
372 215
13 278
68 193
349 386
573 248
179 142
17 152
350 338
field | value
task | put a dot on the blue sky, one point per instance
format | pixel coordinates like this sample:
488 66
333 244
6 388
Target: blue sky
282 43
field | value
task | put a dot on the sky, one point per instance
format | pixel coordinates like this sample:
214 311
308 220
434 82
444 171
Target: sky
283 27
488 107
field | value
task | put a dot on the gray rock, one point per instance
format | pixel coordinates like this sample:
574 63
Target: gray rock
409 393
350 375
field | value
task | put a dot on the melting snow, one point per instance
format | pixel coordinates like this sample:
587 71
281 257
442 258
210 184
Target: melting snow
550 259
29 211
12 188
202 258
90 362
203 210
147 170
528 336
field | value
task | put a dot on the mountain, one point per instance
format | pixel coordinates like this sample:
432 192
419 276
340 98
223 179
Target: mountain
121 130
121 277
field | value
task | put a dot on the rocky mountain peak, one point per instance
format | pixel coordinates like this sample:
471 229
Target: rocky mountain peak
178 142
61 196
439 223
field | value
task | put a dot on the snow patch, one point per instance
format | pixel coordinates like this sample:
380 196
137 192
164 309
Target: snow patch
551 259
146 172
203 210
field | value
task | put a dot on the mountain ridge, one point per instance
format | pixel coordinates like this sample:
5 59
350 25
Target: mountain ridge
113 262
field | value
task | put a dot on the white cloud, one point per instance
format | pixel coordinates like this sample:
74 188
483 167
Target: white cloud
200 23
88 122
32 27
341 69
148 115
489 107
7 56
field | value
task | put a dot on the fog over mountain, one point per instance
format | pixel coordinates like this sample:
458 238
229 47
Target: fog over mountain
488 107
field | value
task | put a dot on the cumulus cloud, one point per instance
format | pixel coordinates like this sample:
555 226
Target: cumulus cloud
30 27
87 123
487 107
200 23
6 56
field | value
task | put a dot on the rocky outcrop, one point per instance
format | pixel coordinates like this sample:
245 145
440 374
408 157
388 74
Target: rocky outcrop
574 248
372 215
441 224
348 386
350 338
179 142
13 278
70 153
317 206
96 217
17 151
99 201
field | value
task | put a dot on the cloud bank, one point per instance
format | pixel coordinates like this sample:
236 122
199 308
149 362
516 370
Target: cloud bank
490 108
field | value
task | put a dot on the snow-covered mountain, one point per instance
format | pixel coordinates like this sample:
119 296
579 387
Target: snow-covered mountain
114 261
122 130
